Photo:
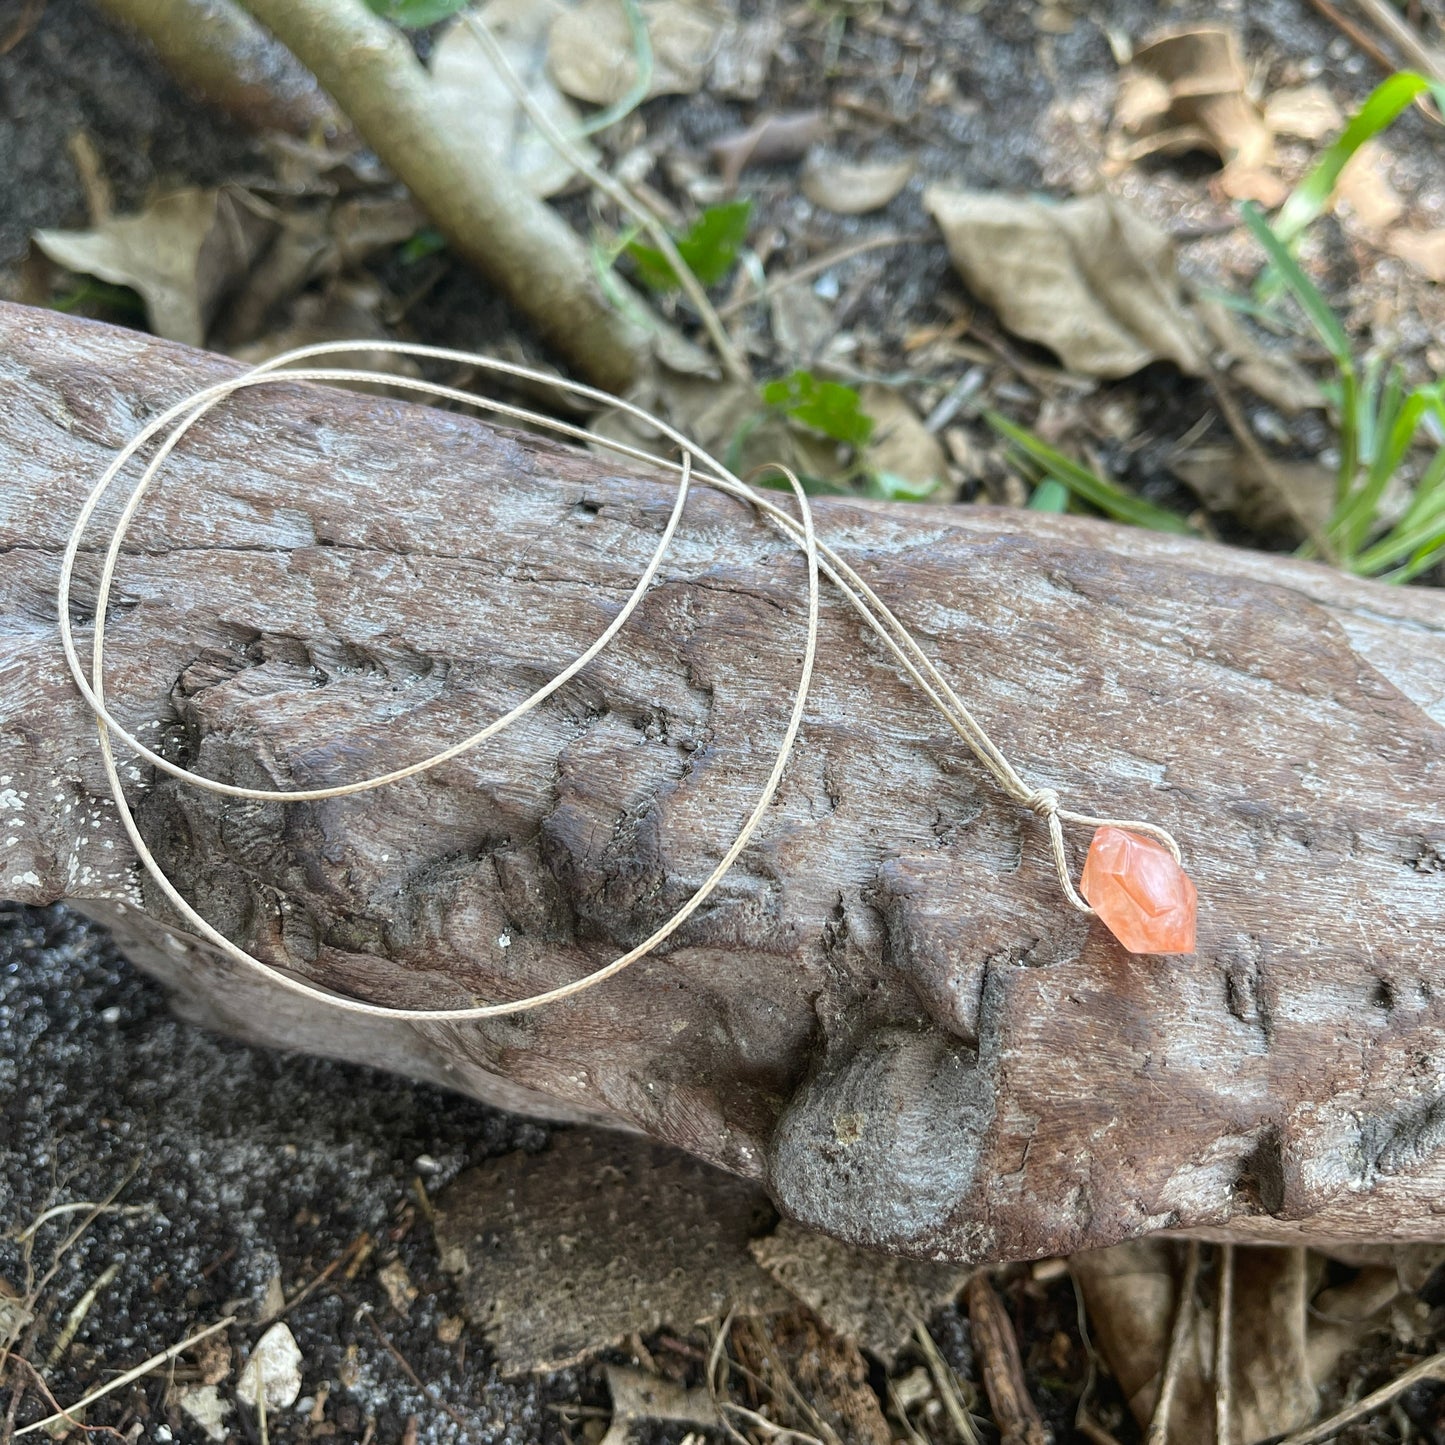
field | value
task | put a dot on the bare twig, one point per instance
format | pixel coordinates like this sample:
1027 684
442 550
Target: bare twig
308 1289
1431 1369
428 1390
488 216
1361 37
1223 1341
945 1384
85 1206
1174 1359
1422 57
144 1368
1014 1412
76 1317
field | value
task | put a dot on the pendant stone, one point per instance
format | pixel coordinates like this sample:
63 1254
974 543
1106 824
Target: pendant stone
1145 899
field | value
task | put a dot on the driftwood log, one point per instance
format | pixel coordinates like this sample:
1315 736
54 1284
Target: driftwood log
887 1013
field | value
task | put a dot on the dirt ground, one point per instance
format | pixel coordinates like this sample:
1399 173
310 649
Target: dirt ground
243 1167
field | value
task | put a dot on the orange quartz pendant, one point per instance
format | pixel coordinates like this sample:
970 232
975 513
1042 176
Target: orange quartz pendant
1143 896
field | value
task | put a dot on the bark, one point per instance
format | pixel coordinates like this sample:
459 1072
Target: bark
488 216
886 1014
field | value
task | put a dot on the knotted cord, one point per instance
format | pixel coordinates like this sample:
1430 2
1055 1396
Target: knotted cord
695 465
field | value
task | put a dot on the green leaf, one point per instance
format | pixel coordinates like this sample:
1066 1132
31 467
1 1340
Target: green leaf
826 406
427 242
890 487
1051 495
708 249
1109 497
813 486
414 14
1382 107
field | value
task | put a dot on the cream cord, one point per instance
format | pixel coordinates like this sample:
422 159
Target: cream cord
819 558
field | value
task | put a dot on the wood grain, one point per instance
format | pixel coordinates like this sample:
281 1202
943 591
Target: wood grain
886 1013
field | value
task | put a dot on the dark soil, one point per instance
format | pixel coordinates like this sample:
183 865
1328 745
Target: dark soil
252 1166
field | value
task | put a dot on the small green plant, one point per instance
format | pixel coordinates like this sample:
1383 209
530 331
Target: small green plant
709 248
1381 109
1069 478
415 14
829 407
1380 423
426 242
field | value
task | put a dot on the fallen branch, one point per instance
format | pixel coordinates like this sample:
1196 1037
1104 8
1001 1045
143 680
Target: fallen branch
886 1012
221 55
488 216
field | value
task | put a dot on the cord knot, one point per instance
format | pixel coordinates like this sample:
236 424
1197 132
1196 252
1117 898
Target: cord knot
1043 801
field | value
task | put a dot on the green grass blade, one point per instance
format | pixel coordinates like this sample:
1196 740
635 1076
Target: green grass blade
1051 495
1399 424
1306 294
1382 107
1424 549
1107 496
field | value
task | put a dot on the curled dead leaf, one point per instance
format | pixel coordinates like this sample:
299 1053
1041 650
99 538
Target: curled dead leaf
1229 481
852 189
183 254
1364 194
592 56
1306 111
1130 1292
901 445
1424 250
1091 279
1189 91
483 106
637 1396
770 138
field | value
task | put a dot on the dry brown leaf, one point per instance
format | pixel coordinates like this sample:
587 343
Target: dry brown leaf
1285 1341
482 105
1424 250
1091 279
745 54
591 54
183 254
770 138
1269 372
1306 111
400 1291
1187 90
1364 193
854 189
900 443
802 324
636 1395
1228 480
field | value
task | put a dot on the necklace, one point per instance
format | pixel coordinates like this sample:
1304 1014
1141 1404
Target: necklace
1133 878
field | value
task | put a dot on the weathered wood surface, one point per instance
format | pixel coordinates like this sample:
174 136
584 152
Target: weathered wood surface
887 1013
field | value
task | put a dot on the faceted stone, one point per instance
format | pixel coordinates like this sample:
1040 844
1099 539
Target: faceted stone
1144 897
